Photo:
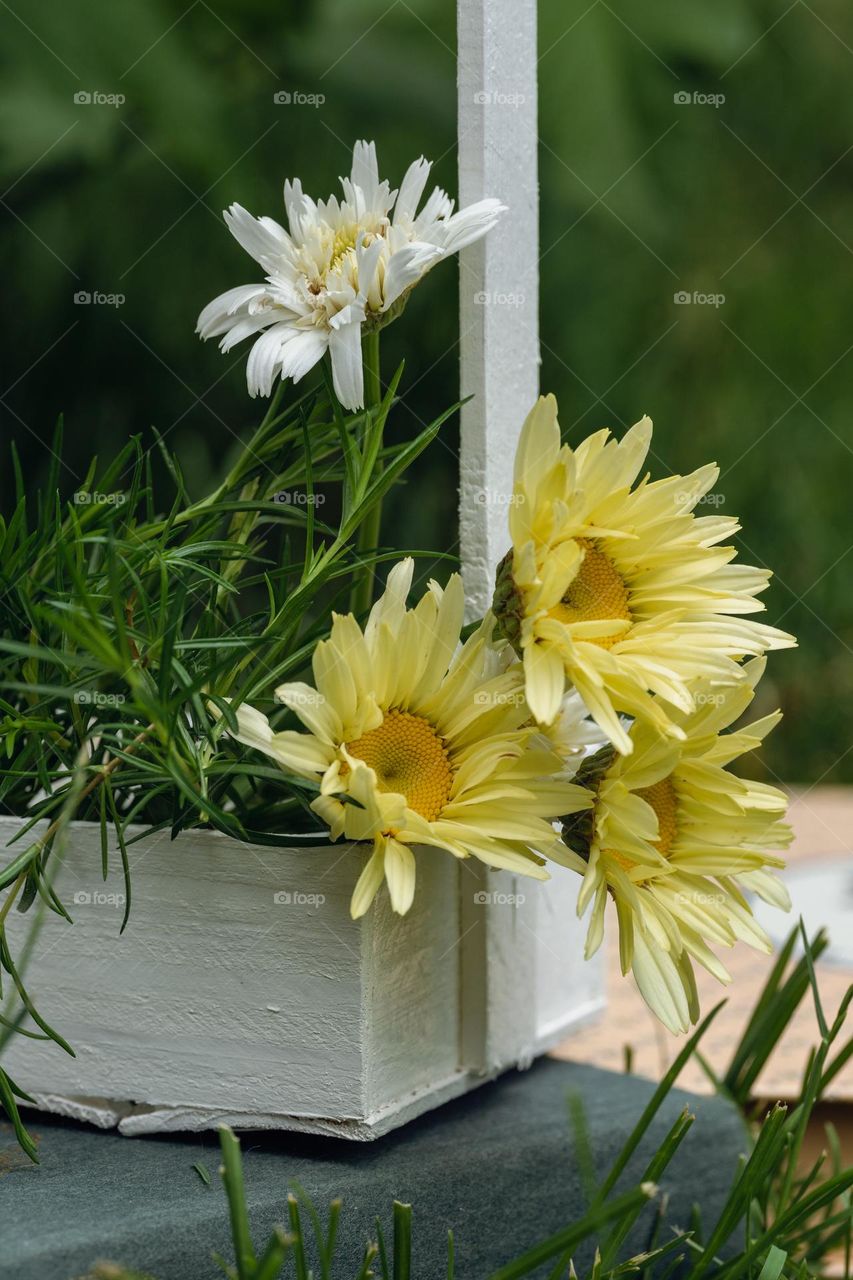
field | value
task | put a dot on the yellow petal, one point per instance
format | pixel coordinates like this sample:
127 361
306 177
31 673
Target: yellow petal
400 875
367 885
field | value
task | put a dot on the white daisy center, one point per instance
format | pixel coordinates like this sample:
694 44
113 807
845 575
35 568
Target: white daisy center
409 757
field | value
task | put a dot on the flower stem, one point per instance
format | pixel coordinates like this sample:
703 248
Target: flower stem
370 359
368 534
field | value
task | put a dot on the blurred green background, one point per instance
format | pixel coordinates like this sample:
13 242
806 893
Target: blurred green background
744 189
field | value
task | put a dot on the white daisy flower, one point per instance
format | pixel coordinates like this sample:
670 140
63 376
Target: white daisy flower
343 264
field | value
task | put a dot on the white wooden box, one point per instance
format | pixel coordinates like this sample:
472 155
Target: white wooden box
241 990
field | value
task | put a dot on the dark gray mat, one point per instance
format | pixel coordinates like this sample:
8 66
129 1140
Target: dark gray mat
498 1167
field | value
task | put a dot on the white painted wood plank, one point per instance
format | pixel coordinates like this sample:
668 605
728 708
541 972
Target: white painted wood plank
568 990
525 982
498 971
499 297
410 989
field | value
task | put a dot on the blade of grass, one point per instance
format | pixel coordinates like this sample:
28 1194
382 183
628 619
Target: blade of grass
402 1241
295 1217
10 1106
232 1176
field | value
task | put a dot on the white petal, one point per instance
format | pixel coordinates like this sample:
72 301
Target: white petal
365 173
217 316
301 351
241 327
301 209
438 206
347 372
411 190
367 258
255 729
300 753
264 360
468 225
263 238
405 268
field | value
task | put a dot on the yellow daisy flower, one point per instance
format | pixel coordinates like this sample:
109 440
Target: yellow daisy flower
676 841
620 591
415 740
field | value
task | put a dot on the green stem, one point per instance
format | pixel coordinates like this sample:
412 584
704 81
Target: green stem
372 380
368 534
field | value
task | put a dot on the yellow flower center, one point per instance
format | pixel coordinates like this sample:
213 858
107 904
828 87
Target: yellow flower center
663 798
597 592
410 758
344 240
343 244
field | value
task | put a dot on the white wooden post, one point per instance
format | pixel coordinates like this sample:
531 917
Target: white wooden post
524 979
499 276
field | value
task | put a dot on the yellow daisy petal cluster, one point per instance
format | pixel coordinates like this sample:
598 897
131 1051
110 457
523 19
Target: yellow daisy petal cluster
616 591
415 739
614 587
678 841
